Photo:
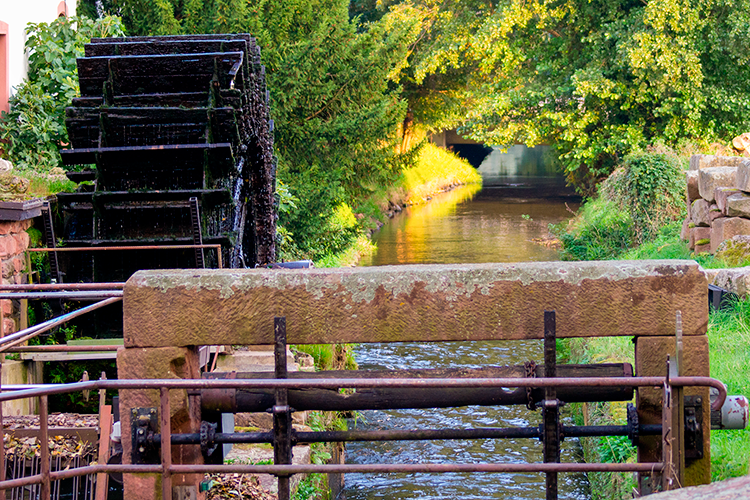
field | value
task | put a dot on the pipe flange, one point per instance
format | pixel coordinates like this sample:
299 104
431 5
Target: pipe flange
633 424
208 438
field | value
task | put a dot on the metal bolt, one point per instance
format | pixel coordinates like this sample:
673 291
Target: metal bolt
140 431
699 400
153 411
141 449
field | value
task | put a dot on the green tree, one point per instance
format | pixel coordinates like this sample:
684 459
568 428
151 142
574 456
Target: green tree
34 130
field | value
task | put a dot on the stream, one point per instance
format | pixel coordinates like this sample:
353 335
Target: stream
521 195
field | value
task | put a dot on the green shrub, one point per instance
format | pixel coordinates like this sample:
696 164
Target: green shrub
651 188
34 130
599 231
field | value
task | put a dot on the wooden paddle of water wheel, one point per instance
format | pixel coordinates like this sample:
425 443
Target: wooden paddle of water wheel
176 140
178 129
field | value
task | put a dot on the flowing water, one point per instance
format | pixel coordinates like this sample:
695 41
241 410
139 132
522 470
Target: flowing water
522 194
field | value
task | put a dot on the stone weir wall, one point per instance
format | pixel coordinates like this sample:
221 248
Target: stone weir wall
718 198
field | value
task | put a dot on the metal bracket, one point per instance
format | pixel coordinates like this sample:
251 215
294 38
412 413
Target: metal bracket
144 424
693 427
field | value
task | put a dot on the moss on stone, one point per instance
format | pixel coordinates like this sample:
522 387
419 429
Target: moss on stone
704 241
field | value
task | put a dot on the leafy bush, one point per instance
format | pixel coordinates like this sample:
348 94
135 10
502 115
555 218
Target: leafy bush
34 130
651 187
599 231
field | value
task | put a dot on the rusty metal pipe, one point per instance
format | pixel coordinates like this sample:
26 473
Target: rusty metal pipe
62 295
414 468
44 287
31 332
410 435
64 348
369 383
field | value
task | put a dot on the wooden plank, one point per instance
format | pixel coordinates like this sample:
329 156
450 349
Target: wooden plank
422 303
73 356
85 434
162 47
158 73
105 427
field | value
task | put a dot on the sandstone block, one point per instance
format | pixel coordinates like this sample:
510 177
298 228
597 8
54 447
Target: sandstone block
720 195
691 185
12 227
22 240
734 251
699 212
711 178
714 213
698 162
159 363
417 302
650 360
726 228
702 247
743 176
738 205
699 234
9 326
8 246
685 231
736 280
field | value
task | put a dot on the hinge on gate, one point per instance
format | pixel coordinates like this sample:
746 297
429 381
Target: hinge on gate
144 424
693 427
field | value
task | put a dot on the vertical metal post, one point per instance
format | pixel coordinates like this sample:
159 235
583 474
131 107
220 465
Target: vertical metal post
673 418
44 494
2 443
550 410
282 418
166 443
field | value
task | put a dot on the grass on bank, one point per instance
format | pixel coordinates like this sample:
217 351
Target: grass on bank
729 352
436 170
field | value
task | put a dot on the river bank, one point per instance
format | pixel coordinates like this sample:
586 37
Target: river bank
435 170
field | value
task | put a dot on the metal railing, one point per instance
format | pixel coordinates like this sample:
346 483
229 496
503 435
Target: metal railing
167 469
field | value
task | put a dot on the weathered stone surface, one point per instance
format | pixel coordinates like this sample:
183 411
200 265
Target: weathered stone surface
714 213
742 179
699 213
159 363
711 178
702 247
726 228
650 360
736 280
685 231
698 162
699 234
691 185
721 194
12 227
738 205
420 303
731 489
734 251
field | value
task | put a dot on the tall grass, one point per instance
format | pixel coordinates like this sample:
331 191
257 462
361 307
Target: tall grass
729 354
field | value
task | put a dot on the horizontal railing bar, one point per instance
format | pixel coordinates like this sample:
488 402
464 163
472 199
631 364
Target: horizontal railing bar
335 468
374 383
414 468
61 286
61 348
118 248
410 435
69 295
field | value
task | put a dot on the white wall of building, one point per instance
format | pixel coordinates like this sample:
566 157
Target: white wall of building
17 14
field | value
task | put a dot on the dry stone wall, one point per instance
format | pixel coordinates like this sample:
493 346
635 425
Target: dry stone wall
718 198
